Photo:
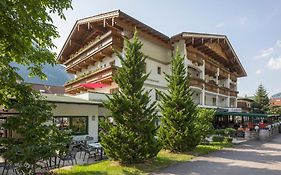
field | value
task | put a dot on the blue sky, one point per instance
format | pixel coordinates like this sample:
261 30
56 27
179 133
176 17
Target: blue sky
252 26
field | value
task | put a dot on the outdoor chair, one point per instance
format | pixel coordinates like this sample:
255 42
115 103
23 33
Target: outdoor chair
44 163
70 156
91 152
9 166
89 139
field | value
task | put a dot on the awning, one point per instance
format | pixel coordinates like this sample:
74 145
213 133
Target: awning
93 85
244 114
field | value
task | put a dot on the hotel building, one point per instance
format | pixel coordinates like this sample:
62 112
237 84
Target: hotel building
212 64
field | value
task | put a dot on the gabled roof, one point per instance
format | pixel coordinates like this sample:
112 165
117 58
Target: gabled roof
202 38
113 17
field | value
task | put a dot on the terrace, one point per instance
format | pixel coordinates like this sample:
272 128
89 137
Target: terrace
103 75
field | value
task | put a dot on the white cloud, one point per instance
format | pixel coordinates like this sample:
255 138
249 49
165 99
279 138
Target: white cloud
274 63
258 72
278 43
265 52
219 25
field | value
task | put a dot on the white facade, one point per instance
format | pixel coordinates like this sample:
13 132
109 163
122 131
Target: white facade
80 110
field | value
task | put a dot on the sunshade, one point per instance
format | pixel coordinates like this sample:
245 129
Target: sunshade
93 85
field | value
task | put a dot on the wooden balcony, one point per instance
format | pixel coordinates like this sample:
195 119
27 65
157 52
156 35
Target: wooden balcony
195 58
233 93
95 51
196 82
210 68
211 87
224 91
233 77
223 74
103 75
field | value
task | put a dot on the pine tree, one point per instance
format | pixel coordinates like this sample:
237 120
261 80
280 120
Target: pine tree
261 100
130 138
178 124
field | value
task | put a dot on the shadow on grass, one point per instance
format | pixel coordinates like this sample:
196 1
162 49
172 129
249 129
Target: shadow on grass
84 173
164 159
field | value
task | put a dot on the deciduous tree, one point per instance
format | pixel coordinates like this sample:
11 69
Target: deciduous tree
26 38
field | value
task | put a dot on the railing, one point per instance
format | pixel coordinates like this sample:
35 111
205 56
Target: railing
197 82
233 93
224 91
95 50
233 77
97 75
211 87
195 57
223 74
210 68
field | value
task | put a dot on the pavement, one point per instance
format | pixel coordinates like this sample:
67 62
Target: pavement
250 158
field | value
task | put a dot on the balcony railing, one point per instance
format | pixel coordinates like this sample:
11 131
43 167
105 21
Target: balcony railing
195 57
98 75
223 74
233 77
210 68
224 91
94 51
196 82
211 87
233 93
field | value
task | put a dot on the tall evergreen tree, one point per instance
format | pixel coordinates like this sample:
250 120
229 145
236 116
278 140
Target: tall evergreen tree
261 100
178 124
130 138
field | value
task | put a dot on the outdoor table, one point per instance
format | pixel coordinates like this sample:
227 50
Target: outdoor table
98 147
79 140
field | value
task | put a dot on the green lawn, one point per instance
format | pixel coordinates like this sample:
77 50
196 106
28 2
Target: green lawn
163 159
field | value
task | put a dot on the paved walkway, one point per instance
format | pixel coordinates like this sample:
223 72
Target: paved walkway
250 158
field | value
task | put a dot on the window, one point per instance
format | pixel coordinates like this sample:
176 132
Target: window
159 70
112 63
77 124
214 101
157 96
145 68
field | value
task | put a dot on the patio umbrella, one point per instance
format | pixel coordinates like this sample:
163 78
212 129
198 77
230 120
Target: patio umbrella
93 85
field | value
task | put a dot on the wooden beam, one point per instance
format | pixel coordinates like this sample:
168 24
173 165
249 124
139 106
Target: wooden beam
128 26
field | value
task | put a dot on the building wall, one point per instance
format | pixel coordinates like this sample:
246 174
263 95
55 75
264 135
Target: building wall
68 110
155 50
158 63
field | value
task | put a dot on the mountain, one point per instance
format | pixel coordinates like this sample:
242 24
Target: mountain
56 75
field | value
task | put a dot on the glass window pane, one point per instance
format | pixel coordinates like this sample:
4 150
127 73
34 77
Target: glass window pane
79 125
62 123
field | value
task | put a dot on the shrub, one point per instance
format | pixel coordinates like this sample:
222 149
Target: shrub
219 132
228 139
218 138
229 132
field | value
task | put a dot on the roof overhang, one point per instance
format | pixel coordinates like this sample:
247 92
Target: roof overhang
109 19
245 114
203 38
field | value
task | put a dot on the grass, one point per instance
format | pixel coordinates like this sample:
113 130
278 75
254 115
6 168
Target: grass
163 159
